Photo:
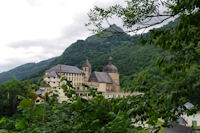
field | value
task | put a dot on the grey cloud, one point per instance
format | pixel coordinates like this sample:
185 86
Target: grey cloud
11 63
69 34
78 29
50 48
46 44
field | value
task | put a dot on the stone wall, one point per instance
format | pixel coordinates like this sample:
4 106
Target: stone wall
115 77
120 94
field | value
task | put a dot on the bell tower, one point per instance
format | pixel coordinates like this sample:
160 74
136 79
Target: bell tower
87 70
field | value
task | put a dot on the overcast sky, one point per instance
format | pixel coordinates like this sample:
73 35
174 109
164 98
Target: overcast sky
35 30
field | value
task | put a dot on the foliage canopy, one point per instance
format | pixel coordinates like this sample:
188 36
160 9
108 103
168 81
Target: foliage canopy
182 41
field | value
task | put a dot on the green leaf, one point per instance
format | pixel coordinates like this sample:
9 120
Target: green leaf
3 131
26 103
20 124
130 111
3 119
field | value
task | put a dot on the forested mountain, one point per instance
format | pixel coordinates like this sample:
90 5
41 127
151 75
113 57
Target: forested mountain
130 57
25 70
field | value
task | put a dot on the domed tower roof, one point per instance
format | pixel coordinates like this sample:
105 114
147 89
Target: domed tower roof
87 64
110 68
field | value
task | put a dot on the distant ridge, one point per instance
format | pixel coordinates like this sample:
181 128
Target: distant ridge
24 70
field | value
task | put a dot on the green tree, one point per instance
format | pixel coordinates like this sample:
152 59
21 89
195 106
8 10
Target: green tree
182 41
10 91
76 115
